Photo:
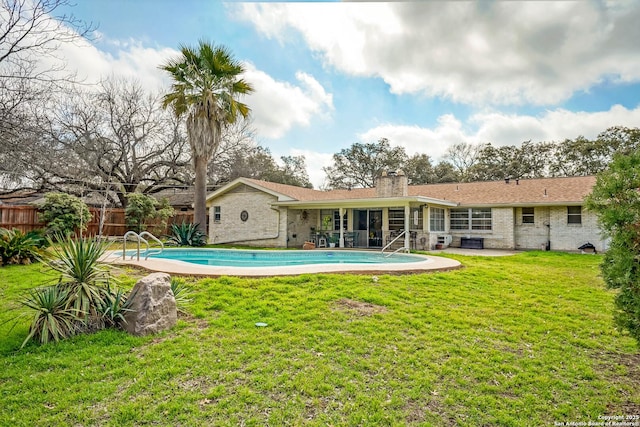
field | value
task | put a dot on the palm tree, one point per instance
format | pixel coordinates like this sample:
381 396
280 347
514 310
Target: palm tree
205 88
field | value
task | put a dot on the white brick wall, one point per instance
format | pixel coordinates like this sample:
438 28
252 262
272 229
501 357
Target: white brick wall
299 226
568 237
536 235
264 227
510 233
281 227
501 235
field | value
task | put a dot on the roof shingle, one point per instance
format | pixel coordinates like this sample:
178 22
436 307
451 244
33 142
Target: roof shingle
568 190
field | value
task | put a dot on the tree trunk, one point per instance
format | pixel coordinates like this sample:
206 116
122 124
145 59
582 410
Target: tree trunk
200 196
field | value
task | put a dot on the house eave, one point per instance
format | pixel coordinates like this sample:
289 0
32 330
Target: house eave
521 204
373 202
242 181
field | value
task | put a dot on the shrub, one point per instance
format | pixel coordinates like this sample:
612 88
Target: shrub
616 200
187 234
142 208
64 213
17 247
53 319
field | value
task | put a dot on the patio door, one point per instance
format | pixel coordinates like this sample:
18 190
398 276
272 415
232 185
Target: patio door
368 224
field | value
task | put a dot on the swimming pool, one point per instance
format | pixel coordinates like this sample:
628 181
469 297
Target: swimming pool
275 258
241 262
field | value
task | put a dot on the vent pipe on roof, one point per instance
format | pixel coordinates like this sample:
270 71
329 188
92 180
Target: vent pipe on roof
517 182
506 180
545 192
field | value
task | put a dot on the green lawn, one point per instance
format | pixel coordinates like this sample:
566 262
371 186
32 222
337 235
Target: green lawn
522 340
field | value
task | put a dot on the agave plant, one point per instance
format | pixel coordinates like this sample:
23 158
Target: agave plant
187 234
53 319
115 304
83 275
182 294
17 247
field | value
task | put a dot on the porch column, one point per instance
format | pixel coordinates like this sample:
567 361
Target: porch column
341 210
407 225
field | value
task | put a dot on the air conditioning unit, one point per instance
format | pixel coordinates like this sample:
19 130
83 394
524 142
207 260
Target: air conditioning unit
445 240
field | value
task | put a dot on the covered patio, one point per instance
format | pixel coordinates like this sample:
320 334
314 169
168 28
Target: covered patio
402 222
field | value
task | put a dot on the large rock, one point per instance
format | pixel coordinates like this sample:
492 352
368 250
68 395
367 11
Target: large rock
153 305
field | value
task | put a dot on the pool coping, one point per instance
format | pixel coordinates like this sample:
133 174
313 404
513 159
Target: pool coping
430 264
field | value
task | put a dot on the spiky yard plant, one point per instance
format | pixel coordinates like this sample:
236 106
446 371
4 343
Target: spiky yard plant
54 319
17 247
83 275
187 234
114 306
182 294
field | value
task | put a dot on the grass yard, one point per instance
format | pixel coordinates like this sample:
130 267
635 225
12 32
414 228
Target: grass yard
523 340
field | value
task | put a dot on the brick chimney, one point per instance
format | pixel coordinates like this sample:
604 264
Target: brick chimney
392 184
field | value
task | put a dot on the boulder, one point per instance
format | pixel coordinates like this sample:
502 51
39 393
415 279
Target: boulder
153 305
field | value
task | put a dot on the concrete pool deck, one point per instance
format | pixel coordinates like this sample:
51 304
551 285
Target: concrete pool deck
430 263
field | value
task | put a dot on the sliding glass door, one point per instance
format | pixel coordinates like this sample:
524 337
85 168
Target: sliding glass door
368 224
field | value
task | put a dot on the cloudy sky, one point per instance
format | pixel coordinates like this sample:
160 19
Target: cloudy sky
425 75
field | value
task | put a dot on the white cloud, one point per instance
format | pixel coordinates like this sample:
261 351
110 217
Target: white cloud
469 52
553 125
129 59
315 161
415 139
278 106
498 128
502 129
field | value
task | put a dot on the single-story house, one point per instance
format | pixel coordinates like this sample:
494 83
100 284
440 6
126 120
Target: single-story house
544 213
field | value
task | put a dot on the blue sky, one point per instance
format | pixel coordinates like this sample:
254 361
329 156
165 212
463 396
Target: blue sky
426 75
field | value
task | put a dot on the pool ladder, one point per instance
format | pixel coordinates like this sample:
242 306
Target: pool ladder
139 238
403 248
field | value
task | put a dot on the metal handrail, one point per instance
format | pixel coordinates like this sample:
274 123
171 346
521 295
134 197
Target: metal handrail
149 251
393 241
124 244
404 248
139 238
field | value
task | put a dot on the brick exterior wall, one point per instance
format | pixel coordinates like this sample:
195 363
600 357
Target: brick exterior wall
282 227
501 235
299 226
568 237
264 226
536 235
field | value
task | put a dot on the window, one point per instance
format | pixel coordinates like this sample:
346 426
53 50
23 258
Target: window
336 220
327 220
471 219
436 219
574 214
481 219
331 220
216 214
396 219
459 219
527 216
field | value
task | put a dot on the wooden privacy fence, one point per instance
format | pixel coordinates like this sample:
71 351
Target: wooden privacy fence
111 220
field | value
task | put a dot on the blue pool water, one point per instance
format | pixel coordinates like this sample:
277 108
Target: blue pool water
262 258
